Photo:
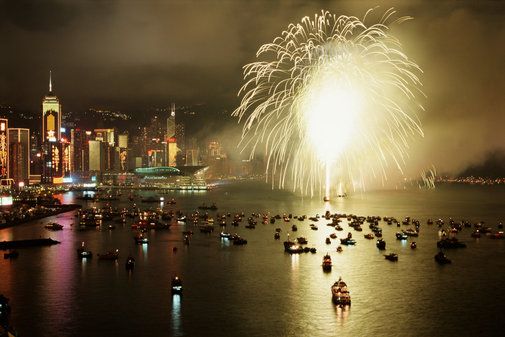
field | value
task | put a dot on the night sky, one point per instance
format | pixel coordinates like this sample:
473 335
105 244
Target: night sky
132 54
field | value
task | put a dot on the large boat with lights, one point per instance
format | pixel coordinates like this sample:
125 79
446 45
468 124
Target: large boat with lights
340 294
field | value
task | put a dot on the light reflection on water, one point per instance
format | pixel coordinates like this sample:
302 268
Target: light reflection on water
176 315
258 289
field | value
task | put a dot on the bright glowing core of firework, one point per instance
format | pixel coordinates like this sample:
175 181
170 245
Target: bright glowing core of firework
332 102
330 113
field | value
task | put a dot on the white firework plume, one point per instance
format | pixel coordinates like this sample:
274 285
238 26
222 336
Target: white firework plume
331 99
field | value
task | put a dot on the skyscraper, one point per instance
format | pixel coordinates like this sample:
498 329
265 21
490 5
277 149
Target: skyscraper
51 116
52 171
19 155
4 149
170 138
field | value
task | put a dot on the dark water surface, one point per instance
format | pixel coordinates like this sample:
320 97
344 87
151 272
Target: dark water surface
257 289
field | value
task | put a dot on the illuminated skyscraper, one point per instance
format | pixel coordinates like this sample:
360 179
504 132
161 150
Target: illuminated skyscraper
4 149
171 138
53 168
51 116
19 155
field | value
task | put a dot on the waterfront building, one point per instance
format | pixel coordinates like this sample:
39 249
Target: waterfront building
19 155
122 150
51 116
52 169
4 149
170 138
97 156
106 136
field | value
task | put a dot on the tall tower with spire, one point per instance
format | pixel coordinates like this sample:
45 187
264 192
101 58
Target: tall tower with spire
51 116
53 148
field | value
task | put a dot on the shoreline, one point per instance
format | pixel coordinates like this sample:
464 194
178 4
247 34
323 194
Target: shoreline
57 209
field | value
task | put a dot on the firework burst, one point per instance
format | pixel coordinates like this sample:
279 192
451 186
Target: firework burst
334 102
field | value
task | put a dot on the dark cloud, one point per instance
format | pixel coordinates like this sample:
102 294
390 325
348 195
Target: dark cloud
130 54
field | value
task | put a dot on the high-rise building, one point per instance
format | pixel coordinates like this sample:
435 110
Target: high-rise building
171 140
106 135
53 151
123 152
97 156
79 150
4 148
19 155
51 116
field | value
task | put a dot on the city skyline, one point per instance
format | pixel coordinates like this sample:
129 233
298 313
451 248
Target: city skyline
134 56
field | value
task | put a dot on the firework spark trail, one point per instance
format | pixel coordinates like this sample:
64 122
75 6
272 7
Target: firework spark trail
331 94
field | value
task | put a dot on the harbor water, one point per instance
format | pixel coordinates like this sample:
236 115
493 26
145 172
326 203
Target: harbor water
257 289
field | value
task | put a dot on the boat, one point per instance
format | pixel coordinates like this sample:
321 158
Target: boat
413 245
328 241
381 244
348 241
411 232
140 239
327 262
130 263
339 249
12 254
238 241
333 235
212 207
401 236
449 243
369 236
277 236
82 253
294 228
225 235
302 240
54 226
110 255
176 285
340 294
441 258
391 257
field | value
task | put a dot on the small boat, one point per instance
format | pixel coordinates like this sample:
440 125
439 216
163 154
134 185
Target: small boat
294 228
176 285
186 240
333 235
340 294
224 235
302 240
339 249
348 241
401 236
441 258
450 243
391 257
212 207
381 244
277 236
82 253
54 226
110 255
11 254
130 263
140 239
328 241
369 236
327 262
413 245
